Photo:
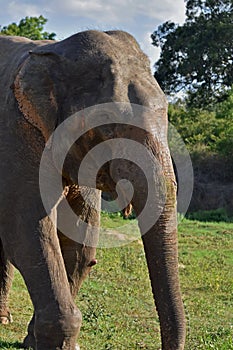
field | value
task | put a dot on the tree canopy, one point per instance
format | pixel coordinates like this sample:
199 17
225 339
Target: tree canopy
196 57
29 27
205 132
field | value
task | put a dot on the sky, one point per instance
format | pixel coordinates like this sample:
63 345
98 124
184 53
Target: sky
66 17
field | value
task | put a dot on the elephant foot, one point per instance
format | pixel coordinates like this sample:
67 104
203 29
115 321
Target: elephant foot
6 318
29 342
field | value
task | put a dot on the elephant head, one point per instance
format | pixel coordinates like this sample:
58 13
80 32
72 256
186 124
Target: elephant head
92 68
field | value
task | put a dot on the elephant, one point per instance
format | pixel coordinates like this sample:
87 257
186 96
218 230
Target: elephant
42 84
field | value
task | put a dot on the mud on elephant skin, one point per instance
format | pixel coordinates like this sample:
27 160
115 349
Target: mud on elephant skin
42 84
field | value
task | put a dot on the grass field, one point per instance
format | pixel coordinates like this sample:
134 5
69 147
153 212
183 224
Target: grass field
116 300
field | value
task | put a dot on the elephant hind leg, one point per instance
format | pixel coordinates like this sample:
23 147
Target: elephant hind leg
6 277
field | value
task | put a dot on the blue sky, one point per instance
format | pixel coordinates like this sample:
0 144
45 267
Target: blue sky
66 17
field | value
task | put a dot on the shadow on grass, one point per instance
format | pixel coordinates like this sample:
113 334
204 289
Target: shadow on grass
8 345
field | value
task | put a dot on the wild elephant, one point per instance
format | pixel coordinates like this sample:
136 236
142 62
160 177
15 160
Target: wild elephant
42 84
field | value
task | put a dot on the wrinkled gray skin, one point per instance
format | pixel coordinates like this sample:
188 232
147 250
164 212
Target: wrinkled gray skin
38 91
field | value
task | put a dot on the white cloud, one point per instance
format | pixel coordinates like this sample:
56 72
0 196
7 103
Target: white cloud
137 17
20 9
151 51
99 10
66 17
120 11
116 13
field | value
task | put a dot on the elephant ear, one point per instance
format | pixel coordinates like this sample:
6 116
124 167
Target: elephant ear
36 92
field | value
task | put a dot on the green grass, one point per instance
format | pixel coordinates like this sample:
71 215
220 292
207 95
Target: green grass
116 300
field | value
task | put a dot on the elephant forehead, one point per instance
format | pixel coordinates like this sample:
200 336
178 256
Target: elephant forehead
96 46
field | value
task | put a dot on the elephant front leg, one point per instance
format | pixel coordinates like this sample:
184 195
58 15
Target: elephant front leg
57 320
6 277
76 244
78 257
30 341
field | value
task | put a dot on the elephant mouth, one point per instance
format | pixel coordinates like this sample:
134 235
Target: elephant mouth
104 181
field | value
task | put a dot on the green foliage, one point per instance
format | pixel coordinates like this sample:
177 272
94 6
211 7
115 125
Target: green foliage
29 27
197 56
218 215
203 131
224 112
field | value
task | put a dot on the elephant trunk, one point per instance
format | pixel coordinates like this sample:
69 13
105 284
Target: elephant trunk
161 250
160 246
147 166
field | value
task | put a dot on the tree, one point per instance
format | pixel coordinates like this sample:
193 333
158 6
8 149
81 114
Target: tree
224 111
29 27
196 57
205 132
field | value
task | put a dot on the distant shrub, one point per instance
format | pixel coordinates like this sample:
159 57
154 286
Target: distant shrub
203 131
216 215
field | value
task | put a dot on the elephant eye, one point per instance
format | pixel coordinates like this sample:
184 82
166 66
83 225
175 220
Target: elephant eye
101 80
94 82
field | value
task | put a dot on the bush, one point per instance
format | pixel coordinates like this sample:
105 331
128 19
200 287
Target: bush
203 131
216 215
